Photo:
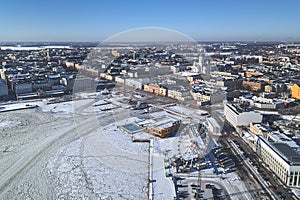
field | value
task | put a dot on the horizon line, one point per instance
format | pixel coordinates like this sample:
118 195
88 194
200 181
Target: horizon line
94 41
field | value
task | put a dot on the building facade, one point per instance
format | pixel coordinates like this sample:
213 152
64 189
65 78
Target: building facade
3 88
82 84
136 83
282 159
296 91
179 93
236 116
164 128
213 126
258 129
22 87
254 85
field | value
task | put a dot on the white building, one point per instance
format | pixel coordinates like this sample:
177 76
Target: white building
282 158
120 80
237 116
262 103
179 93
136 83
213 126
3 88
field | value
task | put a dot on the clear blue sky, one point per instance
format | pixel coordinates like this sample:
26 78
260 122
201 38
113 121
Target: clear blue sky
79 20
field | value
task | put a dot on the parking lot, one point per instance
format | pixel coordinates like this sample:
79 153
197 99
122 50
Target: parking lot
190 189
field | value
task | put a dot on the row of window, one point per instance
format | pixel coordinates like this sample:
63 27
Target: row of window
275 165
291 179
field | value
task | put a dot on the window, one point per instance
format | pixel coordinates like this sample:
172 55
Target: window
295 179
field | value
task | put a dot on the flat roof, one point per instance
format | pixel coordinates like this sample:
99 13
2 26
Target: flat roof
292 155
283 150
160 122
238 109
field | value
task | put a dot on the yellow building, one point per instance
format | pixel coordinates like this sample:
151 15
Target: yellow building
163 91
296 91
268 88
250 74
195 95
115 53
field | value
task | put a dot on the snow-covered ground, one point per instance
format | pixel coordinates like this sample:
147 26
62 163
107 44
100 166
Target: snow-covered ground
73 150
163 187
188 112
288 117
129 157
84 176
12 122
59 108
123 141
176 146
46 153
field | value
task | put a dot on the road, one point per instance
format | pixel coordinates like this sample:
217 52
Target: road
251 169
266 174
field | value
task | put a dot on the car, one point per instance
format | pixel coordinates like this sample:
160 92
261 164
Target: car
225 160
180 185
179 178
272 187
222 157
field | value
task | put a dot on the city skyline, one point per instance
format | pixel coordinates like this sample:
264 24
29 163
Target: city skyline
95 21
148 113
